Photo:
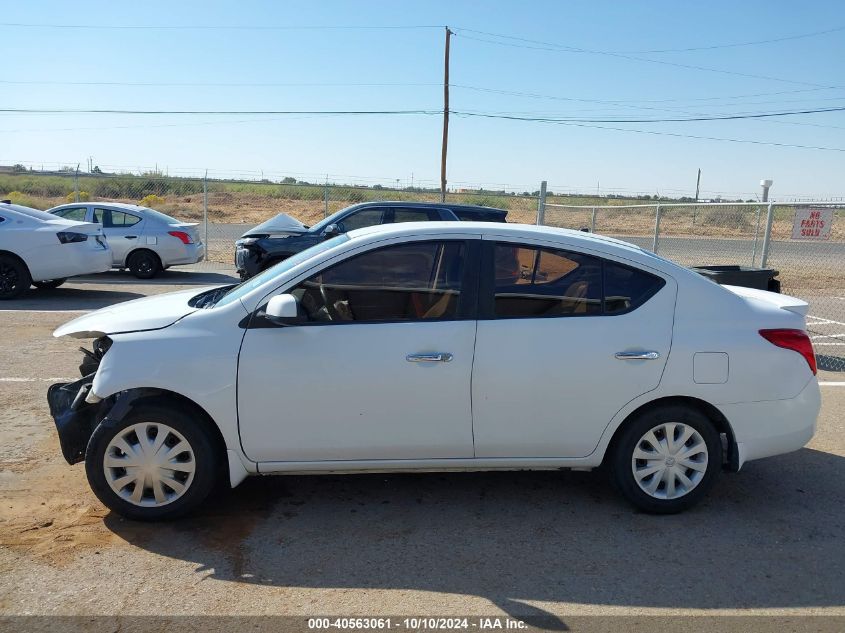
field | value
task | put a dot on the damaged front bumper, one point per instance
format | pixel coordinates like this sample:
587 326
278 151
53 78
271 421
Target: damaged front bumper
76 417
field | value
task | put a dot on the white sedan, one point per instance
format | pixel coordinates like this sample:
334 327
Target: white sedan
440 346
39 249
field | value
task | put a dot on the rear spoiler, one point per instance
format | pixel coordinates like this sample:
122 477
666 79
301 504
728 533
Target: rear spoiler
785 302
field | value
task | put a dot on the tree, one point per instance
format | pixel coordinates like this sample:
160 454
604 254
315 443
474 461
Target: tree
96 170
288 181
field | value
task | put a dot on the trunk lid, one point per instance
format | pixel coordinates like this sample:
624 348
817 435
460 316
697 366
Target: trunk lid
784 302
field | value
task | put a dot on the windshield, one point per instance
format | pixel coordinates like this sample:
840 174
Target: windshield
332 219
274 271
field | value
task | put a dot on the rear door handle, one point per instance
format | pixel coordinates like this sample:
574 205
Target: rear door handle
436 357
637 355
131 237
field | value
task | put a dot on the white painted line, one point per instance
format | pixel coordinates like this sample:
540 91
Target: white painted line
818 336
25 310
820 321
832 384
12 379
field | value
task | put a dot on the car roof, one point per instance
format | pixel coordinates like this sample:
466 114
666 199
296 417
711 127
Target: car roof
424 205
116 205
566 237
19 210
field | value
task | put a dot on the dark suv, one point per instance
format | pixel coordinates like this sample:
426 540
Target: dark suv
280 237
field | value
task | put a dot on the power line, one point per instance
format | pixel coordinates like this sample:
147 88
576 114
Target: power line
693 136
737 44
217 112
548 46
222 27
725 117
214 84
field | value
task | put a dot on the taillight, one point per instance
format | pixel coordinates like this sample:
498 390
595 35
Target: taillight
186 239
69 237
796 340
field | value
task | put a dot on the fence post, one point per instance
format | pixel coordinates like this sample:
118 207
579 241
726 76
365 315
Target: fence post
205 210
593 221
756 239
767 236
656 230
541 205
326 200
76 184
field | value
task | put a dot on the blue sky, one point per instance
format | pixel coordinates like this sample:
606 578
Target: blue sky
53 63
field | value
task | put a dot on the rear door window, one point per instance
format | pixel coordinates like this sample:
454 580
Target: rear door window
414 215
361 219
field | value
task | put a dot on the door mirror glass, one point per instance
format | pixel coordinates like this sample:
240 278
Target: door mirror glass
283 310
331 230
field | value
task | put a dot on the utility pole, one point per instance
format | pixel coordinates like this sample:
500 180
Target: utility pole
445 117
697 183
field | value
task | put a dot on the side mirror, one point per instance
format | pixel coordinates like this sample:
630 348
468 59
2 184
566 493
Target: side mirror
331 230
283 310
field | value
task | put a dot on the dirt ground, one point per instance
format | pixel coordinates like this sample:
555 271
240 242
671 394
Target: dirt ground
768 540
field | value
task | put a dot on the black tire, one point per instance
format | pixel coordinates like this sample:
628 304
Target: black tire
14 277
206 463
48 284
622 450
144 264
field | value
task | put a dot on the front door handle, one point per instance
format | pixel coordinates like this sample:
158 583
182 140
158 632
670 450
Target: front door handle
436 357
637 355
131 237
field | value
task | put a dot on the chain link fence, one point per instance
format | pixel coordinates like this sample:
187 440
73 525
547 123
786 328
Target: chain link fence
812 269
690 234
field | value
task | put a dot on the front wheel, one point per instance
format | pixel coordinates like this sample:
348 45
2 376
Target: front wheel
665 460
48 284
155 464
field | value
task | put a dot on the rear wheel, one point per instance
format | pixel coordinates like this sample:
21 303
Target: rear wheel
666 459
48 284
14 277
144 264
155 464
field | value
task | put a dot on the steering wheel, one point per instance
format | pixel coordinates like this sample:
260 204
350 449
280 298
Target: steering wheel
327 304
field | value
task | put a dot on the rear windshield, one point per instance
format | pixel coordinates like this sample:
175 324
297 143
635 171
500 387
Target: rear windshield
161 217
33 213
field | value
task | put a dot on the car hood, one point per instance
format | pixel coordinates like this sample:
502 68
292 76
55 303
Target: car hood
281 224
149 313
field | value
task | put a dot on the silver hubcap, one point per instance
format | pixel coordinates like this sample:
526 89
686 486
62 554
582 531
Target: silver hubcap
669 461
149 464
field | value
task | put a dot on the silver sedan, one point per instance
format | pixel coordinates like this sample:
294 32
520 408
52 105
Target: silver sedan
143 240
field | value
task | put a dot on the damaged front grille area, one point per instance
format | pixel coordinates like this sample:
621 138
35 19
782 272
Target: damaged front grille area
75 418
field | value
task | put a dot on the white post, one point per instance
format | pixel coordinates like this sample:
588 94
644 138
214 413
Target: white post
593 221
205 210
541 205
764 259
76 184
656 230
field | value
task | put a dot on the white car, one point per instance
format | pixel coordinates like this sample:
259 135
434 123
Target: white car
39 249
440 346
143 240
